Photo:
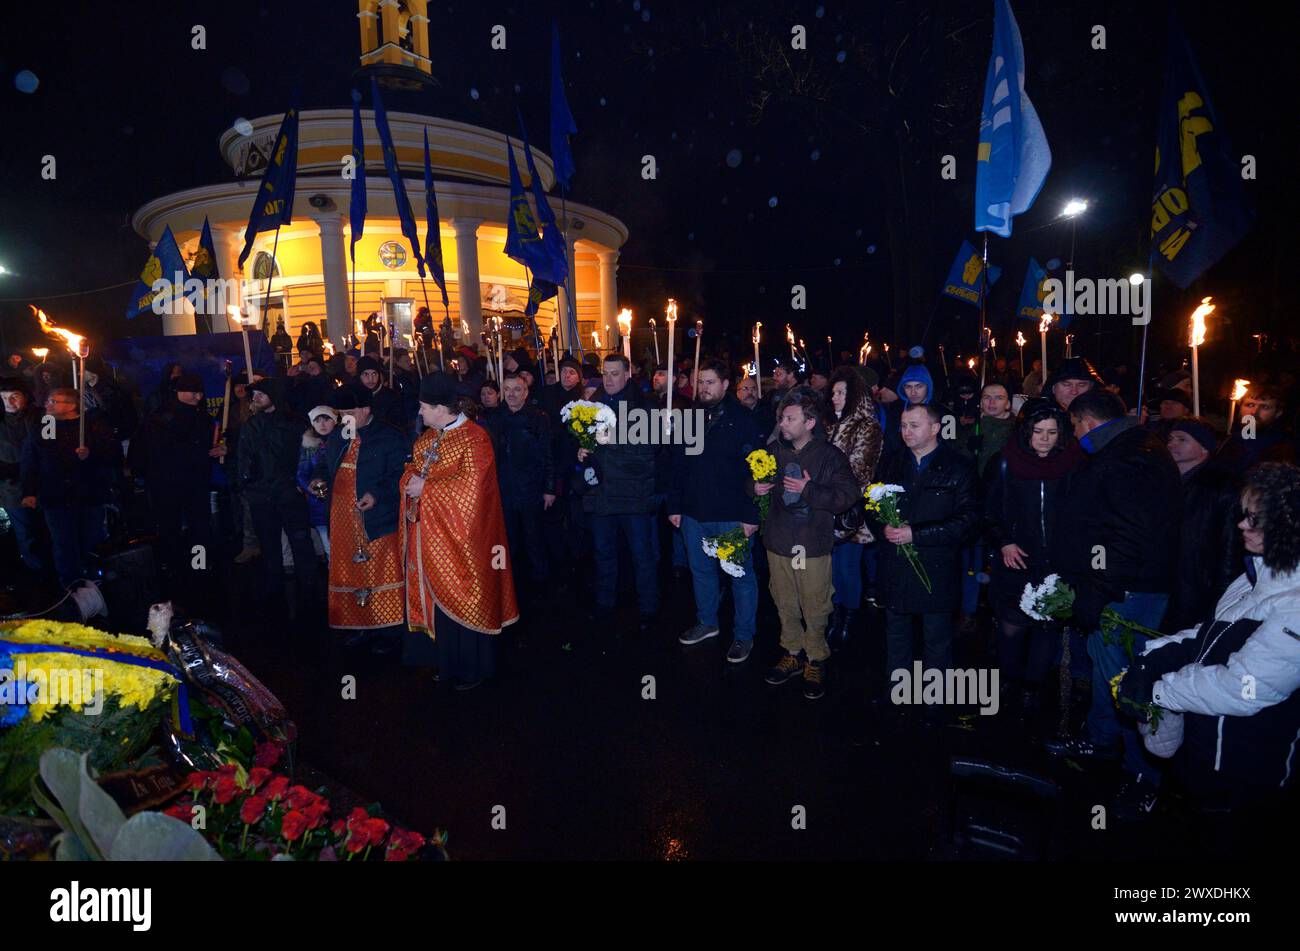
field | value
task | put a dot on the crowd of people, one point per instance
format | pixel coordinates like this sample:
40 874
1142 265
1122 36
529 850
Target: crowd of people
443 502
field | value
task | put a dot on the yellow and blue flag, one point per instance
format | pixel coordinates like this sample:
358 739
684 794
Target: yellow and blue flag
964 280
562 124
1199 209
273 205
165 263
523 237
1013 157
403 203
432 235
552 238
1033 291
357 200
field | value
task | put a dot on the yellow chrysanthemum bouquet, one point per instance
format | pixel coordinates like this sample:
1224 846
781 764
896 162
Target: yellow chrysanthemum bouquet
762 468
591 423
731 548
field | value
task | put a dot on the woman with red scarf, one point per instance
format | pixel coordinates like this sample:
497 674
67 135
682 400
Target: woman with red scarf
1023 487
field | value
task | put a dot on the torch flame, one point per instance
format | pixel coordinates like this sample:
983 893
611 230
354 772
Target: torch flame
625 322
970 364
41 352
329 348
789 335
1239 389
595 339
1045 322
1198 321
1020 339
758 331
671 311
75 343
993 343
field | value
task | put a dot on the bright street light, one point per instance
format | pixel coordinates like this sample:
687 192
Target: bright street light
1076 206
1135 278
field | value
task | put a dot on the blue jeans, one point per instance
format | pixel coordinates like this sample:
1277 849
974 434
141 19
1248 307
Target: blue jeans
972 563
73 533
24 522
679 543
846 574
1105 727
639 531
705 574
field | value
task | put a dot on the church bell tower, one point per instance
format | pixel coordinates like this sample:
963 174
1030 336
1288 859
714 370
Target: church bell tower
395 43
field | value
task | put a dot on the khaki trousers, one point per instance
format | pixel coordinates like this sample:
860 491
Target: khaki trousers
802 594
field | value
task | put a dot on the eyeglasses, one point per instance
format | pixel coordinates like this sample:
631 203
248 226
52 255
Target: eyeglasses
1252 519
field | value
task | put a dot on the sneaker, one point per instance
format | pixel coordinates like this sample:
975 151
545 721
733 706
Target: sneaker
1135 799
814 679
700 632
788 666
738 653
1078 748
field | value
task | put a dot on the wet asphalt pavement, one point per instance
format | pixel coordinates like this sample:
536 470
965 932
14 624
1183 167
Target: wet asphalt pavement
715 766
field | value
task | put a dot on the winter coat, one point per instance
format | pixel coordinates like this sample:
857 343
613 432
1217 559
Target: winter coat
312 455
522 444
14 430
1210 554
1271 443
380 464
808 521
170 450
861 439
1235 679
1127 498
564 447
1022 496
893 445
626 473
712 485
267 459
983 441
51 471
939 503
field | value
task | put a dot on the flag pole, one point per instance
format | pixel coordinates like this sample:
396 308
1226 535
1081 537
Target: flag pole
266 301
570 319
984 304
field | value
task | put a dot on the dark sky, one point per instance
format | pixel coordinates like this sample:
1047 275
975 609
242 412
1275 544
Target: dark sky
745 204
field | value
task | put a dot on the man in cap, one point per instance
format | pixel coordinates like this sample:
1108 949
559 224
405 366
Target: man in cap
459 588
359 471
1069 378
173 453
385 405
267 467
19 420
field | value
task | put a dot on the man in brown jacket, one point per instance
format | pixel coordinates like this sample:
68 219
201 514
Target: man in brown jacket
798 534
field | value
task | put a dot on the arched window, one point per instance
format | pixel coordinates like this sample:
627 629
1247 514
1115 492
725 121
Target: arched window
262 266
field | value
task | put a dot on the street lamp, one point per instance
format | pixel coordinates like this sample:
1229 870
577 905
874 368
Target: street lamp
1074 207
1136 278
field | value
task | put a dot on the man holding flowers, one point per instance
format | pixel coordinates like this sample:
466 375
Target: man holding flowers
707 498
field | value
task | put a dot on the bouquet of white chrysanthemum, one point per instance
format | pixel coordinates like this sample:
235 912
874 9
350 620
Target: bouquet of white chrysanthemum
883 500
592 424
1053 600
731 548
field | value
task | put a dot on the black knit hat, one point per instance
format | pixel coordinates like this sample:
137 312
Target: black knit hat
273 387
352 396
189 383
1199 430
1075 368
569 360
369 363
12 384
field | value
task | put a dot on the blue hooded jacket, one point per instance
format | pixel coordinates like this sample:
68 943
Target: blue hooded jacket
917 374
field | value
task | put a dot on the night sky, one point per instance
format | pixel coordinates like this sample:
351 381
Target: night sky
775 167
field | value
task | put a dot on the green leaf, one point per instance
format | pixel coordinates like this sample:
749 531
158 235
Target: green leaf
60 769
153 836
102 817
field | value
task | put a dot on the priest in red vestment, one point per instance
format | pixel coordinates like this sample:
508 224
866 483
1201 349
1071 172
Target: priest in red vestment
459 588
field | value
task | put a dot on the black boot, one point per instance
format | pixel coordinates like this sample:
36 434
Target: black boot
846 624
835 627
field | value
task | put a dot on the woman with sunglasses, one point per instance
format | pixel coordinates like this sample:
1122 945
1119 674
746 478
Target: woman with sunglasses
1228 687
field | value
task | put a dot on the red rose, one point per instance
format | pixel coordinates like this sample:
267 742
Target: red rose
294 825
402 845
339 829
300 797
227 769
251 812
276 788
257 776
375 830
199 780
183 811
267 754
355 842
316 813
225 790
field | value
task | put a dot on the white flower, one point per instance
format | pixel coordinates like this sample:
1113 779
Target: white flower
605 416
710 546
878 492
1030 600
566 412
603 433
733 569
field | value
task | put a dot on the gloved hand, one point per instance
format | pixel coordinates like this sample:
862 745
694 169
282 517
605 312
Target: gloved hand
1135 687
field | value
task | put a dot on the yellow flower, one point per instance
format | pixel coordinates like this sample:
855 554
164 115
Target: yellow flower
761 464
1114 685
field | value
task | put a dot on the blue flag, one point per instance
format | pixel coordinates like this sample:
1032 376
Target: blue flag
523 238
1033 292
964 280
1013 158
1199 209
273 205
539 291
165 263
357 204
562 124
432 236
552 238
395 176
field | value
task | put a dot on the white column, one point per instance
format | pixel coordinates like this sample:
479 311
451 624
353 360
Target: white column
471 297
178 315
228 243
608 287
334 266
562 311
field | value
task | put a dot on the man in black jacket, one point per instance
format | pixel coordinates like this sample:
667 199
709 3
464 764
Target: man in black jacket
18 420
1116 545
562 522
940 514
622 500
707 497
72 483
521 438
385 405
267 463
1210 555
173 453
